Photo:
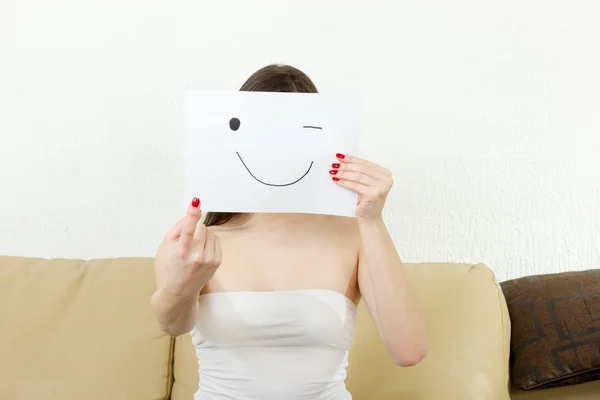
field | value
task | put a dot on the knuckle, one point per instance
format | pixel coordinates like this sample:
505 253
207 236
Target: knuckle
180 252
198 258
209 261
189 224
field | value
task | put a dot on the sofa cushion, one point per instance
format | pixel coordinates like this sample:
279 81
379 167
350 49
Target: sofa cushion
185 369
556 329
469 333
75 330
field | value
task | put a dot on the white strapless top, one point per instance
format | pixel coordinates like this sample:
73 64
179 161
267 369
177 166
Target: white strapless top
278 345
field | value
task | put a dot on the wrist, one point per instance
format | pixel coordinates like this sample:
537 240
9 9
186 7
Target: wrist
177 292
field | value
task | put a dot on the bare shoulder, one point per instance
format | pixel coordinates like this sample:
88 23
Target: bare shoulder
342 228
347 226
332 224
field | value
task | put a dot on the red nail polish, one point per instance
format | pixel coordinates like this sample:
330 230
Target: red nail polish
335 165
195 202
335 179
333 172
340 156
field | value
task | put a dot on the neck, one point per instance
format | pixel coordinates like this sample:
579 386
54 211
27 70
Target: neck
272 220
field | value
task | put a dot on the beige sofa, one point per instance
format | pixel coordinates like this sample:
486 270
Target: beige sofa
74 329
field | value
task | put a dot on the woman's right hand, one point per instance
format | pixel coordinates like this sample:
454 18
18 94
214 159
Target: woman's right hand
192 254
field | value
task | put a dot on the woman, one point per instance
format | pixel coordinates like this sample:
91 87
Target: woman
270 299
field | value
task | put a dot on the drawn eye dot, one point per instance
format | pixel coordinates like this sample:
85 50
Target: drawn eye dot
234 124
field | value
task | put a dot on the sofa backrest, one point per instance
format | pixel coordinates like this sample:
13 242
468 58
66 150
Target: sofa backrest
469 341
469 338
74 330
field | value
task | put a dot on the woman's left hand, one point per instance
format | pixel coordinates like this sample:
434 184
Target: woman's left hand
371 181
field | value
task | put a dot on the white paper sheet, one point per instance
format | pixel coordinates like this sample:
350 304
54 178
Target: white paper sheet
268 152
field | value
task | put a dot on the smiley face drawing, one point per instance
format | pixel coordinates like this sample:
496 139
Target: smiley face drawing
235 124
267 152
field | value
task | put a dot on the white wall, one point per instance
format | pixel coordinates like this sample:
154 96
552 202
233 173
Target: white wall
487 113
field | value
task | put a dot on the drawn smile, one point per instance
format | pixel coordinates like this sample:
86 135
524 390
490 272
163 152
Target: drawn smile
273 184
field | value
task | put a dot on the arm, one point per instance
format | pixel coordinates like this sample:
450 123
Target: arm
175 314
382 280
389 295
186 260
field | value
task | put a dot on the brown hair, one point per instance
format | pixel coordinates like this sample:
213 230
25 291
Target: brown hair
272 78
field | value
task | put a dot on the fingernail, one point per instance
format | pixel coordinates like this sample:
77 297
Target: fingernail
335 165
195 202
335 179
340 156
333 172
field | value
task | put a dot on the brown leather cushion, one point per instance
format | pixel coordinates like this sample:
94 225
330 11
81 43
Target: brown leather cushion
555 329
584 391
